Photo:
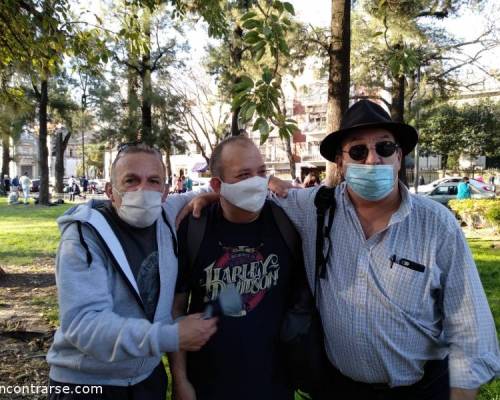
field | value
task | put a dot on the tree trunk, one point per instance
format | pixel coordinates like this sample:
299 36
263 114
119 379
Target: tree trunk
43 152
147 124
61 145
397 114
236 57
235 127
339 76
168 163
5 159
131 133
444 163
291 160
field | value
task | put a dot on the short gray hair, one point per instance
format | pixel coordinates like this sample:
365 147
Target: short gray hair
134 148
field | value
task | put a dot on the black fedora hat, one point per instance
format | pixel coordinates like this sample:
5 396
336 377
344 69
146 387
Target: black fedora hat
367 114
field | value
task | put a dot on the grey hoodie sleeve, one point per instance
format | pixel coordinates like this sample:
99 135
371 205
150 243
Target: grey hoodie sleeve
86 307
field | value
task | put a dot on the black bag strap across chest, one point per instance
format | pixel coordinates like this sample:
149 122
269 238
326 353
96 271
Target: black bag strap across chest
324 202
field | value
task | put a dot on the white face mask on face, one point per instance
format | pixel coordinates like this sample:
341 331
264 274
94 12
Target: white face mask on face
140 208
249 194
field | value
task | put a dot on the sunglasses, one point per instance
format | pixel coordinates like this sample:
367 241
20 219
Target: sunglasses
359 152
123 147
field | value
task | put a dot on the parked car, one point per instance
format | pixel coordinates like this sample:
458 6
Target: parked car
425 189
200 182
97 185
447 191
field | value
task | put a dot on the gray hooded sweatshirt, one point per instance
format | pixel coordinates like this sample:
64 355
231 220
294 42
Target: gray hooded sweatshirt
104 336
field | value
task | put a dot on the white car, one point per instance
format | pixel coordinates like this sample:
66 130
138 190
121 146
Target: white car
425 189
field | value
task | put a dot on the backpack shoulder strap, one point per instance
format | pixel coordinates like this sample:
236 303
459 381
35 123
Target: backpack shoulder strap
324 201
195 233
288 232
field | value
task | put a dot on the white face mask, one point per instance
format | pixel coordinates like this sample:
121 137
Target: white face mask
249 194
140 208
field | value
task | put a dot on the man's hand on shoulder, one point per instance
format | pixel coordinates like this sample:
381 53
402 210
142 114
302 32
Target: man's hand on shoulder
194 332
196 205
278 186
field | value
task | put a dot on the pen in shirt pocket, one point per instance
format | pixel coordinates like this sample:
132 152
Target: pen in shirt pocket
406 263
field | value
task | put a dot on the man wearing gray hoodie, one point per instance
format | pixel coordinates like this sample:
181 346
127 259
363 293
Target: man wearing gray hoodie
116 269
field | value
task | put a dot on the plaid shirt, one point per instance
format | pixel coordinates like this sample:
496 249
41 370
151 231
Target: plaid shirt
382 319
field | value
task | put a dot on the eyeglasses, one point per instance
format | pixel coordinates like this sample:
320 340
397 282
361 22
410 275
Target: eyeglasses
359 152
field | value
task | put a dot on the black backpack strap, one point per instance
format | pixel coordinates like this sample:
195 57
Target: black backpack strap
195 233
324 201
288 232
84 243
172 233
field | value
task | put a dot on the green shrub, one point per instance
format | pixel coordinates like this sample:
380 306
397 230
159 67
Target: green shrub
478 213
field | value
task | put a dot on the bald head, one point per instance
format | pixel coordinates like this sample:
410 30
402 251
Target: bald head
227 153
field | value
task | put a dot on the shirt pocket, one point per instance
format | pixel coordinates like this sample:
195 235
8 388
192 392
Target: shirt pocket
404 287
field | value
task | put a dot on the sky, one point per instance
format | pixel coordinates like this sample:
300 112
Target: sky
468 25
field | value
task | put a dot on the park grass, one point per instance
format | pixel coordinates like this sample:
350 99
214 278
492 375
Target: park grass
28 233
487 257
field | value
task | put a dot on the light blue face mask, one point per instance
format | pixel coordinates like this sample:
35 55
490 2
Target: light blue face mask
371 182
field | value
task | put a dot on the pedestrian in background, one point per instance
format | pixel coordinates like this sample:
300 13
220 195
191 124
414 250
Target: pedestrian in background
463 190
25 182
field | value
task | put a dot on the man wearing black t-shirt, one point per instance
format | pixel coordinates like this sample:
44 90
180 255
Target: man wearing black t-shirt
241 245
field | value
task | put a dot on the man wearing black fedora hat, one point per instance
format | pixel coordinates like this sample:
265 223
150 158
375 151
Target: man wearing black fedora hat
403 309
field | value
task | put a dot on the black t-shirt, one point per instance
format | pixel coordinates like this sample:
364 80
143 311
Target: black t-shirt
141 250
241 361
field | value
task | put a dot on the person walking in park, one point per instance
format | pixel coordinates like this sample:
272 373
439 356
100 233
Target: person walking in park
15 182
188 184
116 268
463 189
85 184
25 183
179 184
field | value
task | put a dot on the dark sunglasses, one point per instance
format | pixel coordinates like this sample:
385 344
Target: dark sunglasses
359 152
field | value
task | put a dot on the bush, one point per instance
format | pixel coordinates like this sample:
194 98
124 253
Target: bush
478 213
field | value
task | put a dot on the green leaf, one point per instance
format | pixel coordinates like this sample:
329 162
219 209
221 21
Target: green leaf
252 37
244 84
259 50
289 8
248 15
278 5
251 24
257 124
238 100
263 127
267 75
283 47
250 111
